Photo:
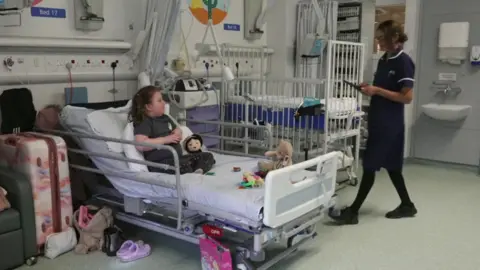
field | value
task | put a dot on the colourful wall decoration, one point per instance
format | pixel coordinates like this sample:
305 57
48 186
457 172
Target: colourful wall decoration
200 10
36 2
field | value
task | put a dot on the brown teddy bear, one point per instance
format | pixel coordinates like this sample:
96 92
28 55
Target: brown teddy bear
282 157
4 204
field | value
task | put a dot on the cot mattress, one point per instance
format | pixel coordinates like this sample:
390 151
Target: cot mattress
280 110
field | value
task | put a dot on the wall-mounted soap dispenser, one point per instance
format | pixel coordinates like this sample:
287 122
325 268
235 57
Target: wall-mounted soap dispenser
475 55
453 42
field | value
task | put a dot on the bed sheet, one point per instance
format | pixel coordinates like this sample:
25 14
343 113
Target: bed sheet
219 191
336 105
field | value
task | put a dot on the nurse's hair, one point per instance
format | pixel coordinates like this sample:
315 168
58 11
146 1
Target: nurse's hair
391 30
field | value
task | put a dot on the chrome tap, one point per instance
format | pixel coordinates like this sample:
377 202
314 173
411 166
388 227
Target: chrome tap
447 90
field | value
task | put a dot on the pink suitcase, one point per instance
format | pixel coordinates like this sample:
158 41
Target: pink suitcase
214 255
43 158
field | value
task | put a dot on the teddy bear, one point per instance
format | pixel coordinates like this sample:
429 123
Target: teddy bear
4 204
282 157
193 144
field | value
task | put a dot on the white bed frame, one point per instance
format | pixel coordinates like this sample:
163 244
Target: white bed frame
292 206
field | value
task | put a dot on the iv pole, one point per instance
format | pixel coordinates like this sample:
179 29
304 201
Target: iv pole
226 73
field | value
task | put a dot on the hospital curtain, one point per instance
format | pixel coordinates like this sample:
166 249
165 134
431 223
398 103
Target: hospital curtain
167 17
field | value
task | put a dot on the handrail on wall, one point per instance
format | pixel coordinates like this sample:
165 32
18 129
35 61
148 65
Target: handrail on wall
36 44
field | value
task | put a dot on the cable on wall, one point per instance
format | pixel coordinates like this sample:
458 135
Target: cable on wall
70 80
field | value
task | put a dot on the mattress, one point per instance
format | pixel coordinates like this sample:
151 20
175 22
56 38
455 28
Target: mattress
335 105
219 191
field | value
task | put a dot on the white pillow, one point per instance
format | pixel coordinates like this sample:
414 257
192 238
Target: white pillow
131 151
186 132
110 123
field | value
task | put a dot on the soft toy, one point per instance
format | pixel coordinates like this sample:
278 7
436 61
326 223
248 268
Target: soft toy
282 157
193 144
4 204
251 180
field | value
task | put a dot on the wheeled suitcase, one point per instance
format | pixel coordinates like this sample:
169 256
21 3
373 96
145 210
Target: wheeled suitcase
43 158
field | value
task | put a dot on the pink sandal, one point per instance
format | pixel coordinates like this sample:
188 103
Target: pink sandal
131 251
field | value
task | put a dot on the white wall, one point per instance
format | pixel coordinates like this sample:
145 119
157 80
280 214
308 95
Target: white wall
281 37
194 31
390 2
120 16
283 17
412 20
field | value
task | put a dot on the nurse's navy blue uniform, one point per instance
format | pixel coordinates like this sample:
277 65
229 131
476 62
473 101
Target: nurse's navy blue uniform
386 126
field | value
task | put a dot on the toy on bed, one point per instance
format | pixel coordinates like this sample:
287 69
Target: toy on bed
4 204
251 180
193 144
309 106
282 157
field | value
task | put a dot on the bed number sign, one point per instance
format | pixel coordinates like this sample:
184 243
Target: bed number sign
48 12
231 27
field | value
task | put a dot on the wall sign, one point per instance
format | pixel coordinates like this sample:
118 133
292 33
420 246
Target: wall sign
447 77
231 27
48 12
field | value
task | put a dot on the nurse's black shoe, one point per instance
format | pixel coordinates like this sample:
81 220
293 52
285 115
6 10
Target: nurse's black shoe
344 216
402 211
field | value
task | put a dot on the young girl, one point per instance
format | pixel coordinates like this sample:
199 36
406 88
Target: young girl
151 125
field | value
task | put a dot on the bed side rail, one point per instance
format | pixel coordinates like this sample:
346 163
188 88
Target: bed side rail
115 157
241 139
291 193
88 154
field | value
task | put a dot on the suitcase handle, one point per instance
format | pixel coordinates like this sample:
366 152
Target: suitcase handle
13 141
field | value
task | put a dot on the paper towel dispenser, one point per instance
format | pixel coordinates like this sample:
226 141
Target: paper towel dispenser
453 42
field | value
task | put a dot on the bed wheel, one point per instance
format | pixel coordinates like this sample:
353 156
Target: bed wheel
31 261
308 232
189 229
290 241
354 182
242 263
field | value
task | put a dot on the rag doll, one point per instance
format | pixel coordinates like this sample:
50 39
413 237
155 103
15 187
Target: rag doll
193 144
282 157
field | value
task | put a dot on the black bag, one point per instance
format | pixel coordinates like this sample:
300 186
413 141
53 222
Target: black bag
112 241
18 111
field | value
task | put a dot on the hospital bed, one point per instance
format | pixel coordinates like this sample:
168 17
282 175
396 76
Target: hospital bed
286 209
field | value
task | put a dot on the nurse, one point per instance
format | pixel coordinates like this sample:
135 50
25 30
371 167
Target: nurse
391 90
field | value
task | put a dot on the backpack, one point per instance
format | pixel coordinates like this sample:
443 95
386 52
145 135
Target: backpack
17 110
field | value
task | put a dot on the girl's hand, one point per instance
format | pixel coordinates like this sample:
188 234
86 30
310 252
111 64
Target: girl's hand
177 131
369 90
173 138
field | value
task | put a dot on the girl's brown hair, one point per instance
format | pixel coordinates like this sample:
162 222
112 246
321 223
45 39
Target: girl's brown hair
393 32
141 99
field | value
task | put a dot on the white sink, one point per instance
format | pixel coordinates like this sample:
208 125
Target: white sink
446 112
